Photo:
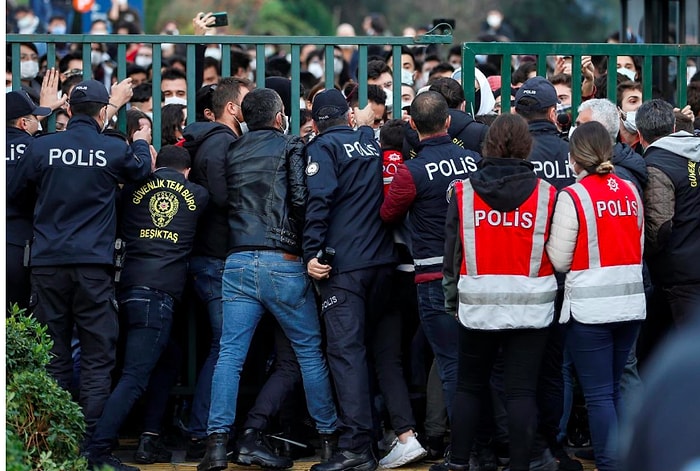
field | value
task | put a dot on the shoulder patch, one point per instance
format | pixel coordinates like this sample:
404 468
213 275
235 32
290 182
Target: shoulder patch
312 169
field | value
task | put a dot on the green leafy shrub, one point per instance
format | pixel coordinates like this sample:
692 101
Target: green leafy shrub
44 425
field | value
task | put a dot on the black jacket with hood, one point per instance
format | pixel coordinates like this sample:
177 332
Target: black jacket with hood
207 143
464 131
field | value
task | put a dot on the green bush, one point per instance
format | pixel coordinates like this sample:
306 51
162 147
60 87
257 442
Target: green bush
44 426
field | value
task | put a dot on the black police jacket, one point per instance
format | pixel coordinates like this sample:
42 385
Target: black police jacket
158 224
19 210
346 188
550 154
76 173
266 191
464 131
208 143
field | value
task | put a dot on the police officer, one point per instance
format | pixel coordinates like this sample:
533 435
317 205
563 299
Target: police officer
76 174
500 285
536 101
22 124
420 189
344 177
159 219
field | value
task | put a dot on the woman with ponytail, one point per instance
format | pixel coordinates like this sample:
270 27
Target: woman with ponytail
596 238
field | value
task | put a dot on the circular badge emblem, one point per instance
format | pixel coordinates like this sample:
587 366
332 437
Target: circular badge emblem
312 169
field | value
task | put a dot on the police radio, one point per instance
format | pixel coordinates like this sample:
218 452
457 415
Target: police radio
119 254
326 256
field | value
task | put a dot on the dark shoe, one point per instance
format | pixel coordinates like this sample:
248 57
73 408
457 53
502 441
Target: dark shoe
346 460
215 458
585 454
545 462
252 449
109 461
447 466
435 446
486 459
329 444
151 450
566 463
196 447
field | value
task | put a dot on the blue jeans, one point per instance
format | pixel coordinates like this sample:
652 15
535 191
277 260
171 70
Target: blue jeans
148 317
206 275
255 282
441 330
600 353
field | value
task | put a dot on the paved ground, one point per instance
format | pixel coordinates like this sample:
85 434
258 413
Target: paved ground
179 464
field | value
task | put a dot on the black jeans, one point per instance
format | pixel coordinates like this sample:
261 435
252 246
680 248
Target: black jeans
278 388
353 301
17 276
522 356
82 295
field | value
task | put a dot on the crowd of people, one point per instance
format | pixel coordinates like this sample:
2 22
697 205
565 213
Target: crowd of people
440 278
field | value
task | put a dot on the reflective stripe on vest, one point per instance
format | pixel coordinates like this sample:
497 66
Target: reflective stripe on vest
610 291
506 300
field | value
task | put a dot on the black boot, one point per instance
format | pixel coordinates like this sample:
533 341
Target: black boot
329 443
344 460
215 458
252 449
151 450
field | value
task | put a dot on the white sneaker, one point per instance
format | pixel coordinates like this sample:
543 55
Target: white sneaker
403 453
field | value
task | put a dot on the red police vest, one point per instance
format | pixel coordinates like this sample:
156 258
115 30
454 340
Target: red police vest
506 279
605 281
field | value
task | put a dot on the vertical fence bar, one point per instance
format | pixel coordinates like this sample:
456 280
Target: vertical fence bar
647 83
682 82
575 85
328 58
612 78
362 75
157 97
191 83
260 65
295 113
396 81
50 64
225 60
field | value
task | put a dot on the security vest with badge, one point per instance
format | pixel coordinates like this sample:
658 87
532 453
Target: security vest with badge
506 280
605 282
158 224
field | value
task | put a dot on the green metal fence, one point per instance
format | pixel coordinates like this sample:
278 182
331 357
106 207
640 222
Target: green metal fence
654 56
441 34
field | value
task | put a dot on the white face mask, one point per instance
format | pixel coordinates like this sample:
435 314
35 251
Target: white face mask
389 98
175 100
629 121
8 89
316 70
244 127
285 130
96 57
626 72
571 130
213 52
690 71
572 167
58 30
494 21
406 77
143 61
377 132
28 69
337 65
24 22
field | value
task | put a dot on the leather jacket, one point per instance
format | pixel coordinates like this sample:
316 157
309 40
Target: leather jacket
267 192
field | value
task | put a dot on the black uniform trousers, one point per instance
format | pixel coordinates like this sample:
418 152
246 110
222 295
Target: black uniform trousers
352 303
82 295
17 276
